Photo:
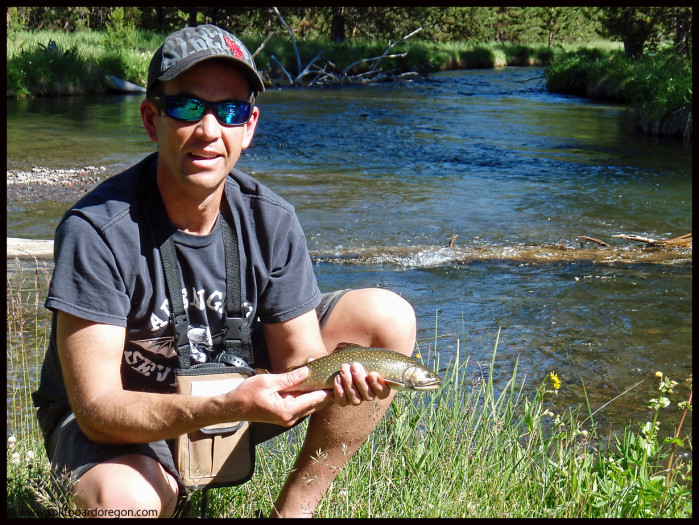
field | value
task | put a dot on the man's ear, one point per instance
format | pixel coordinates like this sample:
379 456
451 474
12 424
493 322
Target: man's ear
149 112
250 127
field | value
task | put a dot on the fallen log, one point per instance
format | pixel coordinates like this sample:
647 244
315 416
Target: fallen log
29 248
438 255
316 72
591 239
122 86
683 241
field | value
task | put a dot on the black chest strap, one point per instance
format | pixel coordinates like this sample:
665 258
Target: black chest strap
237 338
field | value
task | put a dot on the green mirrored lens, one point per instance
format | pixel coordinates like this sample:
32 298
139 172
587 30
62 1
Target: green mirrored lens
185 108
233 112
191 110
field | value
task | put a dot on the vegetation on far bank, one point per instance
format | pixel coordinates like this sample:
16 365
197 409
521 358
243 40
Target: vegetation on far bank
658 87
645 59
474 448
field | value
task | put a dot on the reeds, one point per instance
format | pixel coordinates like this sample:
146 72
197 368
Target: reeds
478 449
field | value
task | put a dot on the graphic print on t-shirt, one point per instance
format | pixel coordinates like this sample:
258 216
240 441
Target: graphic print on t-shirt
156 358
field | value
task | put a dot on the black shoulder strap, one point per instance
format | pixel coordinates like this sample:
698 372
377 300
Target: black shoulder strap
237 339
173 284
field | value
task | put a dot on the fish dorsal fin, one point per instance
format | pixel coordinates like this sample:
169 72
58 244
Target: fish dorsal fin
345 346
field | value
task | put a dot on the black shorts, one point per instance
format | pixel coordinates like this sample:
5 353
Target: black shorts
69 450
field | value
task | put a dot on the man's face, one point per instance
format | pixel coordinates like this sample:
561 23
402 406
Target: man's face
197 156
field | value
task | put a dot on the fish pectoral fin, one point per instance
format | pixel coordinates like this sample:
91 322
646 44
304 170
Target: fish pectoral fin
395 385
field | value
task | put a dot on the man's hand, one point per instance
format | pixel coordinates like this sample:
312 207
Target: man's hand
353 386
263 398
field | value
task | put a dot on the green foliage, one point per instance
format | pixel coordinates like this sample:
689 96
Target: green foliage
659 87
647 28
640 27
77 62
440 24
120 32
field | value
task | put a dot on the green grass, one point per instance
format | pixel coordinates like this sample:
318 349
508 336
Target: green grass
80 66
658 86
471 449
85 57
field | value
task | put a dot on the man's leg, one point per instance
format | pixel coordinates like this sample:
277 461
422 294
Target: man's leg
131 482
136 477
369 317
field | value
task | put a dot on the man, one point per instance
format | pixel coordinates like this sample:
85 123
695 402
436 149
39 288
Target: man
107 401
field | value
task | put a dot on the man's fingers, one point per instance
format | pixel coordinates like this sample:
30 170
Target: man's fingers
360 377
380 388
293 377
351 387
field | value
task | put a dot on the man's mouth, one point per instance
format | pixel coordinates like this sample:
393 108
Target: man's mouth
204 156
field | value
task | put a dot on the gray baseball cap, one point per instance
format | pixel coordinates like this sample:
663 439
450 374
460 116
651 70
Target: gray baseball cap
191 45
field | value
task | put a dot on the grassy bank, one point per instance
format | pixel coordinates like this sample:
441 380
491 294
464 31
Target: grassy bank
659 87
78 61
471 449
77 64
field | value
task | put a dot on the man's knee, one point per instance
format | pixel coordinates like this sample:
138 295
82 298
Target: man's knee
378 317
131 483
395 320
390 309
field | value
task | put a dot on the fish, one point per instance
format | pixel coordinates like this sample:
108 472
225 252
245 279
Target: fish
399 371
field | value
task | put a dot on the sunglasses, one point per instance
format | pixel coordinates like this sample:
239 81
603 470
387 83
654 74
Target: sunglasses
228 113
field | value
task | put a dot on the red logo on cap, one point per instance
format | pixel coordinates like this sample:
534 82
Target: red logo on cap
237 53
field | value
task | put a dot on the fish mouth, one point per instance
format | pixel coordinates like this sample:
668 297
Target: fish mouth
434 385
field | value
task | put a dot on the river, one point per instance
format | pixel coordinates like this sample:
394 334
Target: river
383 176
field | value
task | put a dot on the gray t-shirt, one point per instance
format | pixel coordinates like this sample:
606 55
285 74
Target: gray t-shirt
108 270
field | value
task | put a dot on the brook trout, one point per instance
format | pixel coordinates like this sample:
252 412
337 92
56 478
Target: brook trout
397 370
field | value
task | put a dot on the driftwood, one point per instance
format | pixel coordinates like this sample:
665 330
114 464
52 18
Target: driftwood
582 238
28 249
264 43
323 72
683 241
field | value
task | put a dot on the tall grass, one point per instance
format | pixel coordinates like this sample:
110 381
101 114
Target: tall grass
28 327
81 60
474 448
658 86
78 63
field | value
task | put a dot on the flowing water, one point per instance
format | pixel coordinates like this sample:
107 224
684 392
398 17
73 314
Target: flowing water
383 176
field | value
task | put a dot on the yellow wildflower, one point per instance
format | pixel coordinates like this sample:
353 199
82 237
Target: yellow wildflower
555 380
658 374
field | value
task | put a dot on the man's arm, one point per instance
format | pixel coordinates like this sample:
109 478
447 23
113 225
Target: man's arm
91 355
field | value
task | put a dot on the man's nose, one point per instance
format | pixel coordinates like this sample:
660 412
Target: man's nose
209 126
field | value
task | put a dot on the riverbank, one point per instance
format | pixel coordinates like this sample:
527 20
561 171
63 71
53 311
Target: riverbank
500 449
42 63
658 87
50 63
41 184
